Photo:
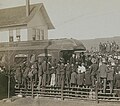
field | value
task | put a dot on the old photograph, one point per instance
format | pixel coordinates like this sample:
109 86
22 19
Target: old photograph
59 52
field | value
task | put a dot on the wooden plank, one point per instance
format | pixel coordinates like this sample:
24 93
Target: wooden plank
108 97
79 98
76 95
77 88
76 91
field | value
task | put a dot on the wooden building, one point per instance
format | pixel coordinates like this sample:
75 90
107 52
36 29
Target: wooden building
55 48
32 20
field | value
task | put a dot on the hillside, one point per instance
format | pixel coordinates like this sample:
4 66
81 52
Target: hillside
95 42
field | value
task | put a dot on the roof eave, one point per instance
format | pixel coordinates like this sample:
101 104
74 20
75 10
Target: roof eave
49 23
13 25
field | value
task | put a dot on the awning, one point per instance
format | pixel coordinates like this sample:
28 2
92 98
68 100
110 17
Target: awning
66 44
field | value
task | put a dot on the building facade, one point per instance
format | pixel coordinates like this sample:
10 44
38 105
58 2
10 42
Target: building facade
25 23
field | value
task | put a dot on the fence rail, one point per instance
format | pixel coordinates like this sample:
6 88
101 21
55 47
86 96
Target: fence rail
64 92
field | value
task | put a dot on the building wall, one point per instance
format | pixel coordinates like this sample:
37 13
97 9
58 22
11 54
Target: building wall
37 27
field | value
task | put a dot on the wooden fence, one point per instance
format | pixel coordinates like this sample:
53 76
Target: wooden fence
64 92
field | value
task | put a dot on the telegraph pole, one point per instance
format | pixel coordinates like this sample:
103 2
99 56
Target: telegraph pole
8 84
8 72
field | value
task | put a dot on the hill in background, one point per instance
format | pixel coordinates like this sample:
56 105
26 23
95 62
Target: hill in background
94 43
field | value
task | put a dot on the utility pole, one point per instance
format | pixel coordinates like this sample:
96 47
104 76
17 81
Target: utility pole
8 72
8 84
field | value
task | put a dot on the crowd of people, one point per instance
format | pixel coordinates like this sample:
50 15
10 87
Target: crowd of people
108 47
82 70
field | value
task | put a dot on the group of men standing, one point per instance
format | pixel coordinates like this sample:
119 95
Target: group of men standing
108 47
82 71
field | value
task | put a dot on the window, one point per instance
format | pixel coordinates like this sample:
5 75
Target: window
42 34
17 34
38 34
11 39
18 37
4 36
34 34
24 35
34 38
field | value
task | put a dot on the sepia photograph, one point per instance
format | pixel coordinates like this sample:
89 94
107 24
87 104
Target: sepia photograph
59 52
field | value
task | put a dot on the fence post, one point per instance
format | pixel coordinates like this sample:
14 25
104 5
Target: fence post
32 85
96 92
62 88
9 85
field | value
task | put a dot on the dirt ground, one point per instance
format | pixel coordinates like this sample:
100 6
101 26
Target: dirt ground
52 102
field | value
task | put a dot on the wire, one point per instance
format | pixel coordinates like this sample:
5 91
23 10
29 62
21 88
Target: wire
85 16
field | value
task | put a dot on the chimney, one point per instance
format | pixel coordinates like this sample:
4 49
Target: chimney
27 7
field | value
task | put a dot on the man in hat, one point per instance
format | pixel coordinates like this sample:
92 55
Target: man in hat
68 73
44 69
110 77
18 76
48 68
40 73
103 69
93 70
58 80
73 59
62 73
52 72
25 75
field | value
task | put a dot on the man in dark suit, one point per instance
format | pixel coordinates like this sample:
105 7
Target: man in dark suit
62 73
44 69
18 75
103 69
68 73
93 70
48 73
73 59
40 74
110 77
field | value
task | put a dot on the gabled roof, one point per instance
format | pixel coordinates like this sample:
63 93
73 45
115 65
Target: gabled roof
17 16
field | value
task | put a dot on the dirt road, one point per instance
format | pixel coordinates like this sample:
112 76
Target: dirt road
53 102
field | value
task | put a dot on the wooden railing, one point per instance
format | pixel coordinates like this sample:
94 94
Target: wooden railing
64 92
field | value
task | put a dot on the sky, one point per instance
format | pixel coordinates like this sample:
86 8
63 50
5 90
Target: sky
80 19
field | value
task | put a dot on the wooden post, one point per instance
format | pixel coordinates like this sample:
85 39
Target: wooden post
8 84
32 84
96 92
62 88
8 55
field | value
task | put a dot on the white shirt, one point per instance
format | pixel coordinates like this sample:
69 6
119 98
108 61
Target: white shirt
81 69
